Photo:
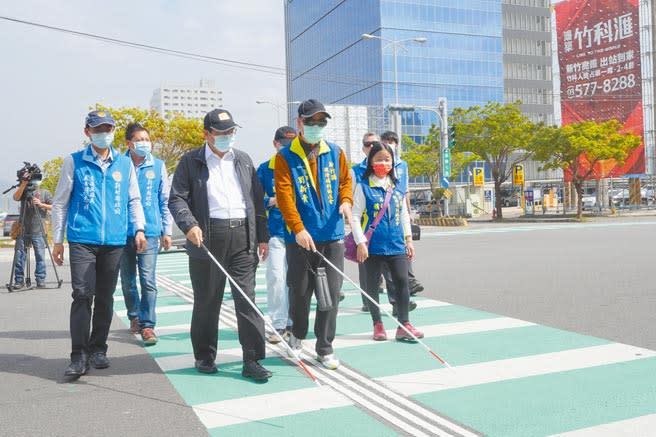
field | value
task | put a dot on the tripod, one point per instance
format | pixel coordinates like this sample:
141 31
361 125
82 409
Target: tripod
27 243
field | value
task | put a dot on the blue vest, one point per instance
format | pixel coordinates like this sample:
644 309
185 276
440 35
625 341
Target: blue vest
388 238
149 176
320 216
275 221
98 208
401 173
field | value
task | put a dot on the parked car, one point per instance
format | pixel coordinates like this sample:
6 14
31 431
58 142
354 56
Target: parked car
10 219
589 202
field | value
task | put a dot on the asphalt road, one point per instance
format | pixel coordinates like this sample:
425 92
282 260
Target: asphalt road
594 278
597 278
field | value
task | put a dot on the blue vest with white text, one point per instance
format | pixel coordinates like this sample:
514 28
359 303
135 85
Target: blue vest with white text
320 216
275 220
149 176
98 208
388 238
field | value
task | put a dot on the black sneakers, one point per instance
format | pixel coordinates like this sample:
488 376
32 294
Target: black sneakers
99 360
205 366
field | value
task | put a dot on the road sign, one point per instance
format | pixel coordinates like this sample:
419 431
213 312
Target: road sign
479 176
448 194
518 174
446 162
444 182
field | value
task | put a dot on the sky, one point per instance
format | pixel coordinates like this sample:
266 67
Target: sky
49 79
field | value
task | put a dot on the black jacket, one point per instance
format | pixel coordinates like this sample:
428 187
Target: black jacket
189 205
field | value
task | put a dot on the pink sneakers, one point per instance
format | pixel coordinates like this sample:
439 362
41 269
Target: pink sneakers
379 332
401 335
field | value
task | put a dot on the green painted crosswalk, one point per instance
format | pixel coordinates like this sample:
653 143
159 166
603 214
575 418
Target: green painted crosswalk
509 377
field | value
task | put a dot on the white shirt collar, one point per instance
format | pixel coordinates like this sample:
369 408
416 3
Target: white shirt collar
230 154
97 157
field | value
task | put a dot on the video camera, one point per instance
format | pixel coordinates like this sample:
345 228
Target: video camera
29 172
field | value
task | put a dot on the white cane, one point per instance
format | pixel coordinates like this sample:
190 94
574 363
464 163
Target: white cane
257 310
384 310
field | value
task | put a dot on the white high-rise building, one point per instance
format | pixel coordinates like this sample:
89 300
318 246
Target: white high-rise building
190 101
346 128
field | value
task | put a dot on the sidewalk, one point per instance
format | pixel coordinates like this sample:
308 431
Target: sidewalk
132 397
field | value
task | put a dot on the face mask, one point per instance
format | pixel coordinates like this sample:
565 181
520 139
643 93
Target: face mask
223 143
142 148
313 134
381 169
102 140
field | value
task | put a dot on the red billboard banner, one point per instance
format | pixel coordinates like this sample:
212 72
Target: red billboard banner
600 77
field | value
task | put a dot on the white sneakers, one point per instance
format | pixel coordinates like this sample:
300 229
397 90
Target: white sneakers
329 361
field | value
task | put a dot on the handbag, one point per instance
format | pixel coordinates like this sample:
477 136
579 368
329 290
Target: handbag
350 248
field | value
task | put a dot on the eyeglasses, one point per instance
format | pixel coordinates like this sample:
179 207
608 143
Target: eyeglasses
321 123
370 143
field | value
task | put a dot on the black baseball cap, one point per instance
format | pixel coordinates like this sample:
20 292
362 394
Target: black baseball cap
310 107
284 135
219 120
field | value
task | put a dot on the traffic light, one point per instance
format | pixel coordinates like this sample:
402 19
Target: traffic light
452 136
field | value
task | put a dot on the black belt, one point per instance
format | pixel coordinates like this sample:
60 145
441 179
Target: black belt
228 223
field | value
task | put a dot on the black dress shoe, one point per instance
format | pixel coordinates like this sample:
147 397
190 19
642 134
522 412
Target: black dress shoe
99 360
415 287
78 367
205 366
253 369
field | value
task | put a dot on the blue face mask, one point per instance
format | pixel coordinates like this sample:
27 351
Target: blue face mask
142 148
102 140
313 134
223 143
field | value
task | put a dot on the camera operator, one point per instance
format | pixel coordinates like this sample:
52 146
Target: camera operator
33 200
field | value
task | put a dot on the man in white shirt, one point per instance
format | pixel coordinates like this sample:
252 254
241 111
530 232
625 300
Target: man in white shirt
217 199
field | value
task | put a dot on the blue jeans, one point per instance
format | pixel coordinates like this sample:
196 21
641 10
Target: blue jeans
277 291
144 307
39 245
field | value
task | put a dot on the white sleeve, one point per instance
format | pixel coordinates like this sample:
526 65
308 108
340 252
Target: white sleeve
62 199
359 205
405 220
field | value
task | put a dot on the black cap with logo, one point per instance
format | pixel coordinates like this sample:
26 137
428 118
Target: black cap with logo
219 120
284 135
310 107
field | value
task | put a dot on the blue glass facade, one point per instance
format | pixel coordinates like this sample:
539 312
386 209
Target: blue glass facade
462 58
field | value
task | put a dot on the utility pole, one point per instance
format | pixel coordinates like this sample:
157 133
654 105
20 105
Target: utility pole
445 152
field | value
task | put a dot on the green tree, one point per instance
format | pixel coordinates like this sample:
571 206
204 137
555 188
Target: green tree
424 160
51 170
581 148
171 136
498 134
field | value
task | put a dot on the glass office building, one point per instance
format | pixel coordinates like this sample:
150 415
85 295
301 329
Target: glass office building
462 58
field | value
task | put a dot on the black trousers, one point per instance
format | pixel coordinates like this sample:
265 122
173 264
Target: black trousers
389 283
230 247
398 267
300 280
94 272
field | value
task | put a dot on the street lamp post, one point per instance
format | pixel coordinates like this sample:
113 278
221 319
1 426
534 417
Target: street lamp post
395 44
278 106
